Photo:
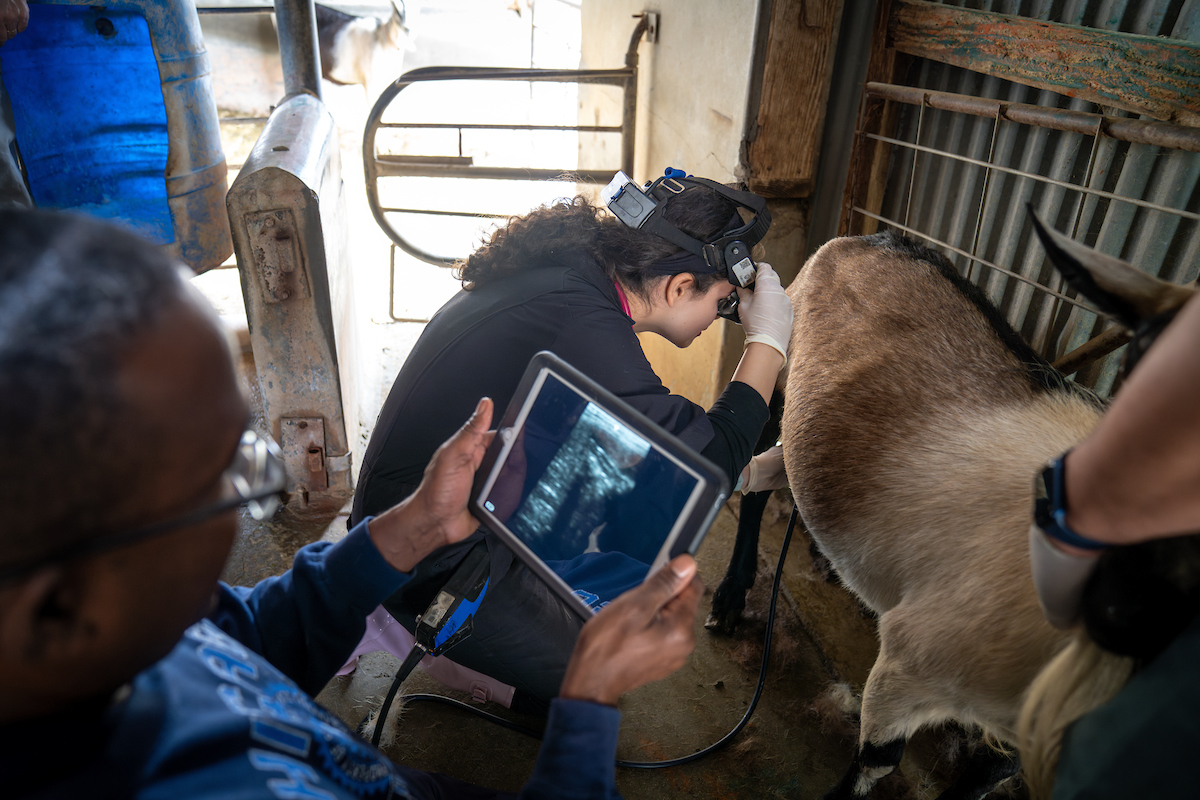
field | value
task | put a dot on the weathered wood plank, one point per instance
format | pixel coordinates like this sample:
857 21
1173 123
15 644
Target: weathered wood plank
781 159
1149 75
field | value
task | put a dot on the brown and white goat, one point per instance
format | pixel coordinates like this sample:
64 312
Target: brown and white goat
915 419
349 45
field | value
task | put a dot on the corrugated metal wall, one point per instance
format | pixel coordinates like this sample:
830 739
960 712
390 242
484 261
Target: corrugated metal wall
981 211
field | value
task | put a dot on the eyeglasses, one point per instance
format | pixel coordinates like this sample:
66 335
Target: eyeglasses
256 478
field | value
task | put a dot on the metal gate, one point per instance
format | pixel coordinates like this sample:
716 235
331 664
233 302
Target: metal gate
382 166
968 151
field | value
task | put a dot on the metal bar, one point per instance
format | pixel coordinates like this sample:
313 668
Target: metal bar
965 254
1162 134
398 159
382 169
392 291
1023 174
465 127
614 76
234 9
297 23
987 176
629 96
912 176
243 120
436 213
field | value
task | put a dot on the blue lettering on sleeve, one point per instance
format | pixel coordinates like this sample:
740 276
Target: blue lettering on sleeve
299 780
226 666
280 736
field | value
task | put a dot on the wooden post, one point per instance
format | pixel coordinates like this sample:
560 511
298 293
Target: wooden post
781 154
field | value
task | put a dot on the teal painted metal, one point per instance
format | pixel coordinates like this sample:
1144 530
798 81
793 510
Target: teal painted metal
115 117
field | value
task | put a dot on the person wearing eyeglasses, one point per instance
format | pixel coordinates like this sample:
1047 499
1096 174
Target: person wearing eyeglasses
126 668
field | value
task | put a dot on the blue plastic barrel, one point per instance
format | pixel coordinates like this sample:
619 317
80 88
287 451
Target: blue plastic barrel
115 117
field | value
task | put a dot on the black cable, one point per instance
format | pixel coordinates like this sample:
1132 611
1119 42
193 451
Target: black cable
674 762
410 663
762 672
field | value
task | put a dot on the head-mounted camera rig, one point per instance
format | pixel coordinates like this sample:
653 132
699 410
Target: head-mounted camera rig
728 255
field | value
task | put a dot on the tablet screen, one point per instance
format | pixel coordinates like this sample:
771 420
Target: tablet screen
574 482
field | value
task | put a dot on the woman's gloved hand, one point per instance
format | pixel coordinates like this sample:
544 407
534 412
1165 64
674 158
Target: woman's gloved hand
764 472
766 312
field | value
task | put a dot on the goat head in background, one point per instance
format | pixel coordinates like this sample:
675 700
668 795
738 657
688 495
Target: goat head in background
349 45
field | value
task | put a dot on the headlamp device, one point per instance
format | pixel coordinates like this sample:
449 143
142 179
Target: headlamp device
728 255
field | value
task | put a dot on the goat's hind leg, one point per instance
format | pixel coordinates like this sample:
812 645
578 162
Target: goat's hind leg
896 702
871 762
883 736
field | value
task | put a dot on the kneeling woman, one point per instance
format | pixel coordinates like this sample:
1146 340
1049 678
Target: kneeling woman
572 279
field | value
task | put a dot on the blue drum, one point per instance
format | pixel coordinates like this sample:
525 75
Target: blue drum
115 117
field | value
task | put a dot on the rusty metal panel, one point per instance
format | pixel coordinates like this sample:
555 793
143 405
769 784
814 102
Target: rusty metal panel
287 215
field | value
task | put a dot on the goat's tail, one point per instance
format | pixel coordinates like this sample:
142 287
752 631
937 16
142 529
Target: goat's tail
1080 678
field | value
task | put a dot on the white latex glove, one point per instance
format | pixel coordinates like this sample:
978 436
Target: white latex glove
766 312
764 472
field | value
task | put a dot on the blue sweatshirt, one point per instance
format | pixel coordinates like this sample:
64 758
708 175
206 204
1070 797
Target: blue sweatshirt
228 713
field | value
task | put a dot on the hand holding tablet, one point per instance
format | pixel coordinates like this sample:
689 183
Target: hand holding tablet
588 492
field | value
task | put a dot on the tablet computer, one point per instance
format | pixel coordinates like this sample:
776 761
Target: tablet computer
587 491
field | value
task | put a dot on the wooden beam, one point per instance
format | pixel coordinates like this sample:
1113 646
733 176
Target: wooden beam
1149 75
781 159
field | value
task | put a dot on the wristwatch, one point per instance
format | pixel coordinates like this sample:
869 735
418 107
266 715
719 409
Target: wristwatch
1050 506
1059 577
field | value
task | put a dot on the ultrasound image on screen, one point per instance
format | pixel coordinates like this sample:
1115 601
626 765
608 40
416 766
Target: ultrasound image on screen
579 481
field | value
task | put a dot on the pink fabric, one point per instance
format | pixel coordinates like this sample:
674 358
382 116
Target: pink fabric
384 633
624 300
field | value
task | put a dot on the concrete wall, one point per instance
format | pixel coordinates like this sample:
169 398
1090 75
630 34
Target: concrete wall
692 91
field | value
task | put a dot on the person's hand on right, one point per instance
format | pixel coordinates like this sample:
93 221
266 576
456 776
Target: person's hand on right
644 635
766 311
14 16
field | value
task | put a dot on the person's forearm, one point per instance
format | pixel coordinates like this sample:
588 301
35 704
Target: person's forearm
307 620
759 368
1137 477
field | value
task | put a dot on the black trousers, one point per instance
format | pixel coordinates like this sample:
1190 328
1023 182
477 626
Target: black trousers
522 634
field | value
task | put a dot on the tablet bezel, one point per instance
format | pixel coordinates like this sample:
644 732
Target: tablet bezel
712 492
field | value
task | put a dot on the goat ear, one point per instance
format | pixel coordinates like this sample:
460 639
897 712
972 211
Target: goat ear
1116 288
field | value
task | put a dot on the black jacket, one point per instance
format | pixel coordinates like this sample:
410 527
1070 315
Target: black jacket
479 344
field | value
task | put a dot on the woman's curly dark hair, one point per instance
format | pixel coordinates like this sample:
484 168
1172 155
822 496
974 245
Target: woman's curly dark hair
539 239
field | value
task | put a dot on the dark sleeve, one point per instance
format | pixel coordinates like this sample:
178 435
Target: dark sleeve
578 757
308 620
737 419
